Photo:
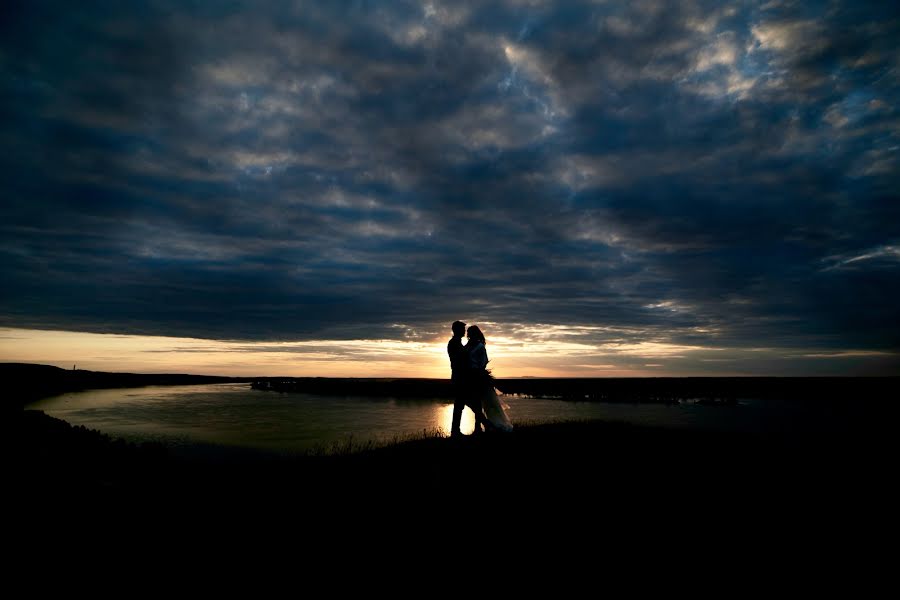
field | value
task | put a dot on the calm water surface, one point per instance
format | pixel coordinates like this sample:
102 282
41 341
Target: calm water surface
235 415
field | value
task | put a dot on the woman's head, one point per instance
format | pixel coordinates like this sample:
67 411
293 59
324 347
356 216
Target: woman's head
473 333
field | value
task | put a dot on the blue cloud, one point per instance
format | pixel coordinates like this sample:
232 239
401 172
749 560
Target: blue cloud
265 171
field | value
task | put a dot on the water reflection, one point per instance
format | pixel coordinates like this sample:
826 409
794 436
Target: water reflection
234 415
444 419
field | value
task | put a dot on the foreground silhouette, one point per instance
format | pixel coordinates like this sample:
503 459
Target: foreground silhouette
603 464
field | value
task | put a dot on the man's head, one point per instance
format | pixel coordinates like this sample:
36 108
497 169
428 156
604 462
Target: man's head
459 328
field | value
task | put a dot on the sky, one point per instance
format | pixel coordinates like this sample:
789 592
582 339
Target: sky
321 188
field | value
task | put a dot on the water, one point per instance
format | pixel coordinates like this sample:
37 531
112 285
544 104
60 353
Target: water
237 416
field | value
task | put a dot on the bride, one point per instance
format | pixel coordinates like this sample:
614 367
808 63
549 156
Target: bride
483 382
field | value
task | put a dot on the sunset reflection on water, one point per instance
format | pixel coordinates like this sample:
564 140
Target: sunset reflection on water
443 419
236 415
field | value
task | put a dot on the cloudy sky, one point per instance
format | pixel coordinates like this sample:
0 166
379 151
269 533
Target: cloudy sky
609 188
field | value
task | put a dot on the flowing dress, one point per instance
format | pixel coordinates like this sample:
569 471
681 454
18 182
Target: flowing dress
483 386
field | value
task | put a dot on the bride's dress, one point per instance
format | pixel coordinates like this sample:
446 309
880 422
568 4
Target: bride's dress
491 403
494 409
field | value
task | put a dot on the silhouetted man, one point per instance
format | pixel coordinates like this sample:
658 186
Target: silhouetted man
461 379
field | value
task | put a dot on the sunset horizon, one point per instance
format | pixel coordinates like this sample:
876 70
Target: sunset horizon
510 357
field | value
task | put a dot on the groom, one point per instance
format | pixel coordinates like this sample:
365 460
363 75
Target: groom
461 380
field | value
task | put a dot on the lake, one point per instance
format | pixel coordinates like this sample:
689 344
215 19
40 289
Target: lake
236 416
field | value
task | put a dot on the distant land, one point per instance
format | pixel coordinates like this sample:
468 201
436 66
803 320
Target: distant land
664 390
25 382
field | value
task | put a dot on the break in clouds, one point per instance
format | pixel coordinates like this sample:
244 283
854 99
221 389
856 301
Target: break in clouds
693 174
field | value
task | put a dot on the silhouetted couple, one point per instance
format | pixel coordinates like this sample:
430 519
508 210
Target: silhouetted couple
472 382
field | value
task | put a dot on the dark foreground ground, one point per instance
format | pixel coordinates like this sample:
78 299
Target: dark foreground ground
567 491
552 509
580 472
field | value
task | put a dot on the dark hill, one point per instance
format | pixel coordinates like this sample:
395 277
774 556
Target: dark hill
24 383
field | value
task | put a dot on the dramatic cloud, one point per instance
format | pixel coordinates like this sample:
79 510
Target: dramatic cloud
649 180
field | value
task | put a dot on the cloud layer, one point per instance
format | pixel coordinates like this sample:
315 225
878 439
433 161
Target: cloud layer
626 173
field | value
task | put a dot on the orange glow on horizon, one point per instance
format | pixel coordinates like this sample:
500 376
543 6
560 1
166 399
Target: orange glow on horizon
316 358
515 351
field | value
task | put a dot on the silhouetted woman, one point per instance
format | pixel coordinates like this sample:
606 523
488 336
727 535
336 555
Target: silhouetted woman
483 382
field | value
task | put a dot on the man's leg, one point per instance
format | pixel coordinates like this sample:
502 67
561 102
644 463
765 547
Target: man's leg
458 404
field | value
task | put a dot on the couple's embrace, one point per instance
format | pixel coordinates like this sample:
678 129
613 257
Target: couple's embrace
473 385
